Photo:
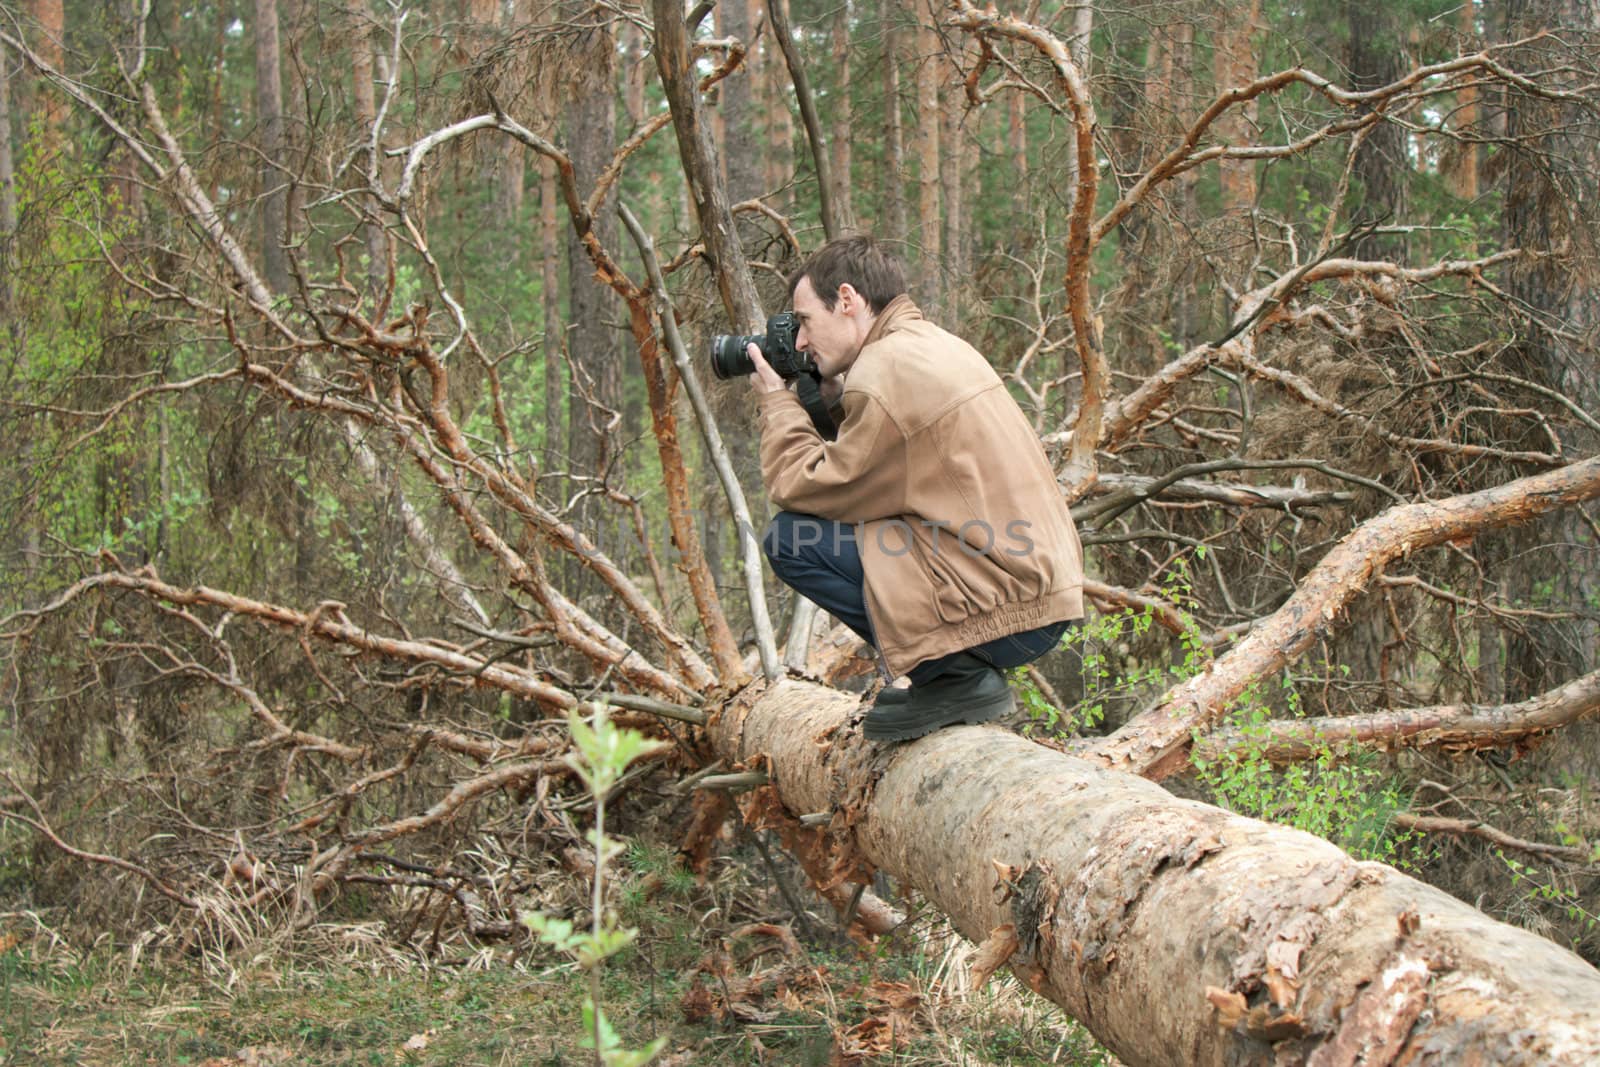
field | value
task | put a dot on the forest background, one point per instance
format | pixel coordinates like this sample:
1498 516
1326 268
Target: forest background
354 432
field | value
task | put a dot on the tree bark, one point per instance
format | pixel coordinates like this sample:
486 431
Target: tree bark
1176 932
741 150
594 396
929 219
1017 151
952 183
554 342
364 95
892 175
270 140
777 135
1462 156
842 109
1549 204
712 208
8 196
1376 59
29 534
51 17
826 188
1235 66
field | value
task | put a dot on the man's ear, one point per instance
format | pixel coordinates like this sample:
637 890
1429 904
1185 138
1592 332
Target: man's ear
849 299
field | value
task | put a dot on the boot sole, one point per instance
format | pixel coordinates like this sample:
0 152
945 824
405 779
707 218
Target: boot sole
970 717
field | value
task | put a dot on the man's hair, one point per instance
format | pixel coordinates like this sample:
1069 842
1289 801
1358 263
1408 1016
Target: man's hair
857 261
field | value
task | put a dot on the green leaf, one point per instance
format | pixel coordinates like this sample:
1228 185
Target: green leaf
634 1057
608 1037
554 931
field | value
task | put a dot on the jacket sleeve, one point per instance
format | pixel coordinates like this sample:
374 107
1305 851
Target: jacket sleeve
859 477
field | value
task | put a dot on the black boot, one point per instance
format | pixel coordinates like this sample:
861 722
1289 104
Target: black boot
968 691
891 696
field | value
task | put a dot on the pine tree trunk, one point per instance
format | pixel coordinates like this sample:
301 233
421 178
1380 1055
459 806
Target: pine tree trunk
1017 149
364 95
1464 154
1553 162
47 104
1078 46
1235 66
929 219
270 141
510 168
842 109
952 151
780 138
11 344
1376 59
592 309
8 197
892 177
550 248
1176 932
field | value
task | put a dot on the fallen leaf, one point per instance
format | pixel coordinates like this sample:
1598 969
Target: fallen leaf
897 995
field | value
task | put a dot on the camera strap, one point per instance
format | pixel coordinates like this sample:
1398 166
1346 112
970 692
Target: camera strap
809 388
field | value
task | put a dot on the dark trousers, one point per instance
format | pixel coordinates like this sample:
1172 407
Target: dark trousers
820 560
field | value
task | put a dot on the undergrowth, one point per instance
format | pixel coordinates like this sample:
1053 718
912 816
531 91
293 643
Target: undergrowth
707 975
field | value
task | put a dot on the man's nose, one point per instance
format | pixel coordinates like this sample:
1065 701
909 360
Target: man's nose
801 341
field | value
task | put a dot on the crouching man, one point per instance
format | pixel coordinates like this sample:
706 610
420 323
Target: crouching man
932 525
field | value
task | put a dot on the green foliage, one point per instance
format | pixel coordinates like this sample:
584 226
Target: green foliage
1341 794
1541 888
1109 675
603 753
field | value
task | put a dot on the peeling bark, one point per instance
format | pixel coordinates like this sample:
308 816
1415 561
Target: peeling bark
1176 932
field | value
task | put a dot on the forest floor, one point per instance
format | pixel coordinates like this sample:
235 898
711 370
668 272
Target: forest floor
715 970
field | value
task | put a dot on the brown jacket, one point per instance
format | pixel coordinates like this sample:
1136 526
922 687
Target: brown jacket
964 535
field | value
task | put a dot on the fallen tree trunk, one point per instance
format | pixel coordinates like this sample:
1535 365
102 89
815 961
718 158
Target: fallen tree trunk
1176 932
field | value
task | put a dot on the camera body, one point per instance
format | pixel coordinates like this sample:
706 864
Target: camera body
730 360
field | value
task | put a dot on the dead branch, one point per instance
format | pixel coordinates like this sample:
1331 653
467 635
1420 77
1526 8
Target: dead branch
1453 727
42 827
1434 824
1081 466
1156 741
722 463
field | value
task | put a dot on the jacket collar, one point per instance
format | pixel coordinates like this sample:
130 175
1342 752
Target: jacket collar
899 312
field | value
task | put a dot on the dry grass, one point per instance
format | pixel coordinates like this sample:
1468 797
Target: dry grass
350 993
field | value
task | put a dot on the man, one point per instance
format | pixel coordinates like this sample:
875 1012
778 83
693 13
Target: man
932 525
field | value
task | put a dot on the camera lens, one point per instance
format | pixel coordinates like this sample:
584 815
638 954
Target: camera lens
728 356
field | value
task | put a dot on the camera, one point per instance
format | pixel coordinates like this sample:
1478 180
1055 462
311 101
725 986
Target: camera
730 360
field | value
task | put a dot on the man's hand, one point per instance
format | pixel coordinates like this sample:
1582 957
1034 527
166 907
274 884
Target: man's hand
765 379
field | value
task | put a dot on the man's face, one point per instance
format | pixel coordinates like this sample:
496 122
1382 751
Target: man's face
832 338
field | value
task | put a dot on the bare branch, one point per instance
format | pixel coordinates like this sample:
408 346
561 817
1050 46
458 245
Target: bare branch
1454 727
1156 742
